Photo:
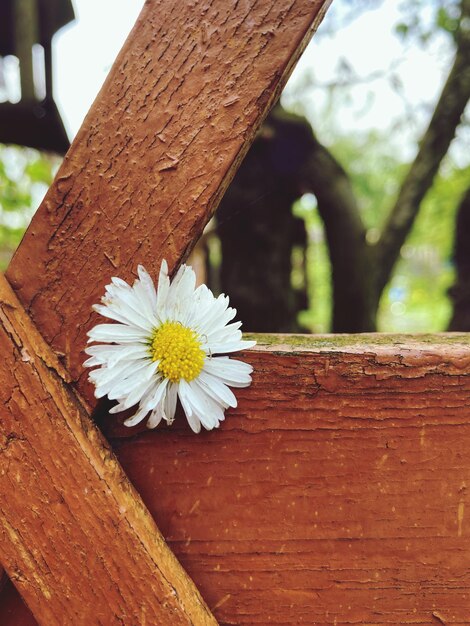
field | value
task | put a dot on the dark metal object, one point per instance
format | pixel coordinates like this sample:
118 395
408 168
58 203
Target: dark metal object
33 122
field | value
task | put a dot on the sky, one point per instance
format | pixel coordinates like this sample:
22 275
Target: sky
85 50
373 52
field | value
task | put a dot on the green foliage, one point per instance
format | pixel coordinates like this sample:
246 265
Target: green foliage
416 298
317 318
370 161
423 19
25 176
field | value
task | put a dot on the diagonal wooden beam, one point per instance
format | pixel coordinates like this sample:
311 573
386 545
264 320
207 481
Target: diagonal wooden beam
75 537
156 152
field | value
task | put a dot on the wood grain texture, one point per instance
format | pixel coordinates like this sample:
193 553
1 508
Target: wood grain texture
336 494
75 538
158 148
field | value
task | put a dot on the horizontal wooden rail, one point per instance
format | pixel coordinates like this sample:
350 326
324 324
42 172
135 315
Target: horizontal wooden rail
338 491
75 537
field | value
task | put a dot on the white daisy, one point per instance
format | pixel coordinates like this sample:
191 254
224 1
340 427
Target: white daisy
163 348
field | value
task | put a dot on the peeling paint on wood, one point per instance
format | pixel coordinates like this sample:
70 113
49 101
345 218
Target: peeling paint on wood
337 492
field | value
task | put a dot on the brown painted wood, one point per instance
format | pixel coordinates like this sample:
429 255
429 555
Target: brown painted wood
75 538
158 148
338 491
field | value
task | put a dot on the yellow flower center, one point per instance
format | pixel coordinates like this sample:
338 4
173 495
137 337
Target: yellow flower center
178 351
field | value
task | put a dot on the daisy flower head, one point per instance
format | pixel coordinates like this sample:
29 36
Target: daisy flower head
167 344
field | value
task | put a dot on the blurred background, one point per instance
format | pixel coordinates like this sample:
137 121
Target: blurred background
350 213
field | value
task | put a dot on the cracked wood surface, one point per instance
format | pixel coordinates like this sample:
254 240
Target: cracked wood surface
337 493
75 537
155 154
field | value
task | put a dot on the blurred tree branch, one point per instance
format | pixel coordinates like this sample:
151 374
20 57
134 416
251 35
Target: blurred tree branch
460 292
360 269
288 160
432 149
346 235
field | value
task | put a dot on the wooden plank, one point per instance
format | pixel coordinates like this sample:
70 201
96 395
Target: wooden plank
75 537
158 148
338 491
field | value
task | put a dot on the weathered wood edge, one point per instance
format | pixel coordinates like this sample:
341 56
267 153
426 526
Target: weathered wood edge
352 359
71 522
360 342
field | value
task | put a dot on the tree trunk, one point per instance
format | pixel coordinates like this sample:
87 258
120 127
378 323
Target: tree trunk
460 292
433 148
258 231
354 301
256 220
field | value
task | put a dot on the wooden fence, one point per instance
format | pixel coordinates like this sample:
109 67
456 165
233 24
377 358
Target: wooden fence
335 494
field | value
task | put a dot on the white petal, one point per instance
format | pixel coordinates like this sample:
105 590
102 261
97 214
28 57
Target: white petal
135 419
182 394
193 421
92 361
111 354
225 348
209 412
142 297
125 370
157 396
129 317
193 397
119 282
117 408
180 295
131 301
117 333
230 371
105 372
118 381
105 376
217 389
136 394
155 418
185 287
170 402
147 283
213 311
126 379
231 330
162 290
